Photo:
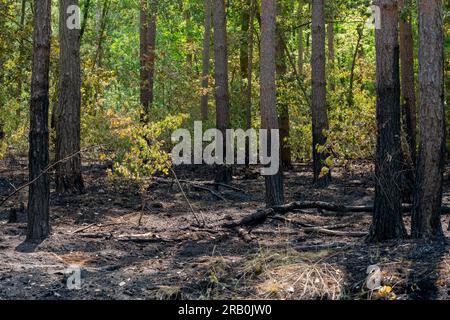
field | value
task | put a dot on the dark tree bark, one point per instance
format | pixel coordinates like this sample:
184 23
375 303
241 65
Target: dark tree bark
67 114
319 103
223 172
426 215
274 183
387 217
39 191
147 54
206 57
283 121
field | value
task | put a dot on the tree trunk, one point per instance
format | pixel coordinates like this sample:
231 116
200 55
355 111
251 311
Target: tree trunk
387 218
319 103
283 121
147 55
39 191
206 57
426 216
224 172
67 119
408 98
274 183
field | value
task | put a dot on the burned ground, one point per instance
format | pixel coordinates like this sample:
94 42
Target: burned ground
167 256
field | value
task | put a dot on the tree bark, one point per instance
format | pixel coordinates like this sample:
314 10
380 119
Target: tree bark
206 58
426 218
224 172
274 183
67 120
319 103
147 54
39 192
387 218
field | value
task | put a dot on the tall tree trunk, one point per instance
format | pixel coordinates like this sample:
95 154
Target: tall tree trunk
301 50
224 172
319 103
206 57
274 183
387 218
408 97
283 121
331 54
426 215
67 119
39 191
147 55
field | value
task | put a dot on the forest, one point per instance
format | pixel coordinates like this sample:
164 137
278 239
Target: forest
224 150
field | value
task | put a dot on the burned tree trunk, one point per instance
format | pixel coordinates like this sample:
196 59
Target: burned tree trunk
224 172
274 183
39 191
387 217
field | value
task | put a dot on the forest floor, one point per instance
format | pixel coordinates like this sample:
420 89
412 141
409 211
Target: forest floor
168 257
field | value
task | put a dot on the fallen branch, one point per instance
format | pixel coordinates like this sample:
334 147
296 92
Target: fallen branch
335 232
139 238
261 215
